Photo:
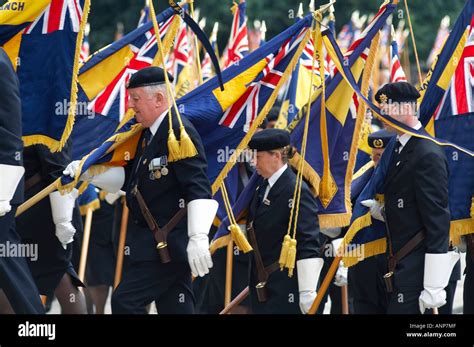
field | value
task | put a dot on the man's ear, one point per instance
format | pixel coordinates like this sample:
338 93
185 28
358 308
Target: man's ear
279 155
160 98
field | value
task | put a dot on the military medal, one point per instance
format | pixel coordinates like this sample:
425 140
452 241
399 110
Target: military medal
164 171
152 176
157 174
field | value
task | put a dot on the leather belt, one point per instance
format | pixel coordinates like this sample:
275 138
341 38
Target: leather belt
393 259
160 234
262 272
32 181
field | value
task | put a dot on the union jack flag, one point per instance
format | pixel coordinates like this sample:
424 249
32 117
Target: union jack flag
238 46
249 103
396 71
459 99
355 105
181 54
306 61
115 96
56 14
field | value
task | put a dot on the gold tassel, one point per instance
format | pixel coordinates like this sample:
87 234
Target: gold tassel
173 146
284 251
188 150
240 239
291 258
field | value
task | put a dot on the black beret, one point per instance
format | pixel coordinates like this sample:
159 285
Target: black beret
397 92
149 76
380 139
269 139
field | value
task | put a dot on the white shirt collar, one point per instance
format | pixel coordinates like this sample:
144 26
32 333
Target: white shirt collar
273 178
403 139
154 127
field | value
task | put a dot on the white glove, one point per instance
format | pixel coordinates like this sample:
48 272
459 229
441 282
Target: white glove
5 207
111 198
72 168
111 180
201 213
62 207
375 208
308 276
438 268
65 233
10 176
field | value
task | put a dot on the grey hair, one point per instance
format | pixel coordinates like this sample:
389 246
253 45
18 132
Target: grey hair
153 90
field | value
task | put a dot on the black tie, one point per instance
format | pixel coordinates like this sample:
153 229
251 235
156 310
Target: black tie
396 152
147 136
261 191
398 146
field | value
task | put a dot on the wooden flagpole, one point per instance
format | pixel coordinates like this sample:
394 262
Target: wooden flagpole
228 272
85 245
121 246
420 80
37 198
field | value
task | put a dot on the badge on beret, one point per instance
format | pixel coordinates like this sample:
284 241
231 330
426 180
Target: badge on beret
383 98
378 143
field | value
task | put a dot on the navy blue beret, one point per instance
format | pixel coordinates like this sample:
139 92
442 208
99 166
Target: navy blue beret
269 139
397 92
380 139
149 76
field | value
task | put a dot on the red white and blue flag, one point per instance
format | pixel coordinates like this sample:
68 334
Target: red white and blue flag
396 71
249 104
238 46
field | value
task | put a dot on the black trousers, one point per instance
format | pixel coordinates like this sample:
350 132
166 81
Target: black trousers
15 276
404 302
169 285
468 293
367 287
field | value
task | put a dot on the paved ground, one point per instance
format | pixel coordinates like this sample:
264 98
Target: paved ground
55 309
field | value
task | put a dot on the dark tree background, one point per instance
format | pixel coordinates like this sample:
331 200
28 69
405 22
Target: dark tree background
278 14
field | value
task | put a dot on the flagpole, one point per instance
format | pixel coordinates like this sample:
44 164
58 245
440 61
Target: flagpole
238 299
121 246
196 50
325 285
85 244
37 198
345 299
420 80
228 272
